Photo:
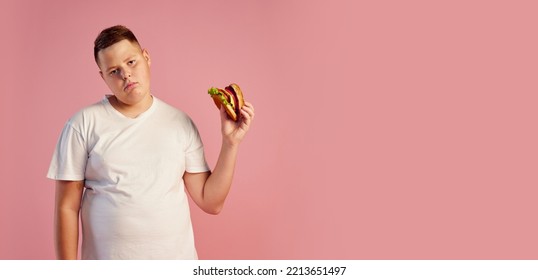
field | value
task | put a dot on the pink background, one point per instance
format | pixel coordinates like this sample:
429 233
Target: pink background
384 129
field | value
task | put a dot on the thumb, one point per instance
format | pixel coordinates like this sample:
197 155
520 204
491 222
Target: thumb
222 112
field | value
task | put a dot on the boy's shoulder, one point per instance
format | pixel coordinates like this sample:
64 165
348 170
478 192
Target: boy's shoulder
171 110
89 110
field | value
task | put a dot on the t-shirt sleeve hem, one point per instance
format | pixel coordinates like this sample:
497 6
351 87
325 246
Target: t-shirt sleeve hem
65 177
197 169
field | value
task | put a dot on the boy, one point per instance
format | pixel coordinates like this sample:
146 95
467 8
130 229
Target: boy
124 163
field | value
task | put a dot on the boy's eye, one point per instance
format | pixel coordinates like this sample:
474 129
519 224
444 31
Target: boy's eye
113 72
131 62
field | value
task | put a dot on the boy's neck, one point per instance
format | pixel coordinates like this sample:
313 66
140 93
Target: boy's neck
131 111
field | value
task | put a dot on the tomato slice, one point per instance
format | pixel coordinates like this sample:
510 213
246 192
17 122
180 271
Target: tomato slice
235 102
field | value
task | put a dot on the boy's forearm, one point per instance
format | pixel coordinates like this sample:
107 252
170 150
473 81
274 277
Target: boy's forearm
219 182
66 234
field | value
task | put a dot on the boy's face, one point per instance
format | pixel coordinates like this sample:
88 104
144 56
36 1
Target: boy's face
124 67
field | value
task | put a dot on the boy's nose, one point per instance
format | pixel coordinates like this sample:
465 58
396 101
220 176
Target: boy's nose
126 75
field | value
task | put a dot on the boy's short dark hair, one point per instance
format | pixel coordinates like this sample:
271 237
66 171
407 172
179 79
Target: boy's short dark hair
111 36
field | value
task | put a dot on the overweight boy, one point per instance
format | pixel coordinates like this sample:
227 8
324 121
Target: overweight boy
123 164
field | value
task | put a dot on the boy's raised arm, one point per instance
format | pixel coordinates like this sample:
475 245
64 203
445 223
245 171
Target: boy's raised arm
209 190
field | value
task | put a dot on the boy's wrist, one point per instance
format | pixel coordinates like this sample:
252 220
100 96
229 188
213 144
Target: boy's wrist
229 144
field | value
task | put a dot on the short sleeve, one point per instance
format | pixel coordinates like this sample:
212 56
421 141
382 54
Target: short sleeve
70 156
194 154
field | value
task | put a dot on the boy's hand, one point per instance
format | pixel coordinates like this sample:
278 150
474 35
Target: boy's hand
234 132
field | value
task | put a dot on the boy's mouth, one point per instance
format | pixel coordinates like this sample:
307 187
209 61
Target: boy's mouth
130 85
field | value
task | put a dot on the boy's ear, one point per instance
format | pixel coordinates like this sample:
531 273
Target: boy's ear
145 53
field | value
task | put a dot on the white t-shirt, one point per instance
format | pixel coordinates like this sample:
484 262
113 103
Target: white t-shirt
134 204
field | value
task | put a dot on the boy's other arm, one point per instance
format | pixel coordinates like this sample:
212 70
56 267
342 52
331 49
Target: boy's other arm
66 213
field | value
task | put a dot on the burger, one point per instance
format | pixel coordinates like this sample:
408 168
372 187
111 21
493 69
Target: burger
231 97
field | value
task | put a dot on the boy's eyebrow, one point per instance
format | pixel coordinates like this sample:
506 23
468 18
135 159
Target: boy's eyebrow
110 68
127 59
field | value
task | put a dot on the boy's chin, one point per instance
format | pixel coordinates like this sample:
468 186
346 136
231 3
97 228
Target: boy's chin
133 97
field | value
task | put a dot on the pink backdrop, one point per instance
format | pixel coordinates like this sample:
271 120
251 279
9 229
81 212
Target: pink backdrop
384 129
